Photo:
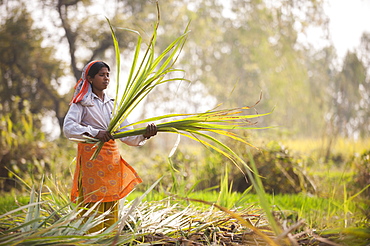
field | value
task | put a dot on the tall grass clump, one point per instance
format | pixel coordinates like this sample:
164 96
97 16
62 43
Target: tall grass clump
49 219
153 70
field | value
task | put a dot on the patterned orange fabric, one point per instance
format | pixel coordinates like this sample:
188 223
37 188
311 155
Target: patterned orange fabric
107 178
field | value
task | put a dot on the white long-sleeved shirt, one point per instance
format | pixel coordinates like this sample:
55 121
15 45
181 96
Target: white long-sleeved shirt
92 119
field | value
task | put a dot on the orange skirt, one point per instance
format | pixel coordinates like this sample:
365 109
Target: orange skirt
107 178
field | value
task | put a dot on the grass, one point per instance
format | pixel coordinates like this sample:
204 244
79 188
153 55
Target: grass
318 212
154 69
11 201
172 217
46 220
315 148
296 202
336 214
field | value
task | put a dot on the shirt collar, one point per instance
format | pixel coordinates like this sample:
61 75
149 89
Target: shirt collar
106 97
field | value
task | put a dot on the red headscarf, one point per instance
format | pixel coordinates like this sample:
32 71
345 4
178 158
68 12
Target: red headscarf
83 88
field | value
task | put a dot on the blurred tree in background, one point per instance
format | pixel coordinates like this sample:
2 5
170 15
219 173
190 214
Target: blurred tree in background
28 70
29 75
89 36
348 103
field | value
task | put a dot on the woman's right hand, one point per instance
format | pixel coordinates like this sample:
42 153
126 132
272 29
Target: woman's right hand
151 130
104 136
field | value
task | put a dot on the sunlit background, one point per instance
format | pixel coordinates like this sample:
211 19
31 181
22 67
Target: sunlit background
341 26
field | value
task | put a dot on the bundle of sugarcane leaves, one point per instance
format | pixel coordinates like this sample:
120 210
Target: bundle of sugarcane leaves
150 71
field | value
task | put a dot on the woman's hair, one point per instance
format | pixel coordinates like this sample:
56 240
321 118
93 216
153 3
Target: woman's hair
95 68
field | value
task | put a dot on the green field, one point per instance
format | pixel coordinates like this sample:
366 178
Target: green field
177 208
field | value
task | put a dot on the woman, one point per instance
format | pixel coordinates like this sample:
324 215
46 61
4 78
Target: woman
108 178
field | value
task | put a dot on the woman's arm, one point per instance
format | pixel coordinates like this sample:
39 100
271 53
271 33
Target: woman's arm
73 128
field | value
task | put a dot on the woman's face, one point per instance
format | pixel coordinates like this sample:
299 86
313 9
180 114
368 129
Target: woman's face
100 81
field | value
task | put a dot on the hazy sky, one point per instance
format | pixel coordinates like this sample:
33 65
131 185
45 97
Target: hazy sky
348 20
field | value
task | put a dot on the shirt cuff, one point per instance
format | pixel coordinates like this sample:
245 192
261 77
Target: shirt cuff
143 140
94 132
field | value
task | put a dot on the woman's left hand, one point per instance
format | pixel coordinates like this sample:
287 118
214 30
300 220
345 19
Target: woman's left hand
151 130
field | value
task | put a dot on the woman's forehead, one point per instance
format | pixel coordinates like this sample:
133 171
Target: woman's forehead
104 70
